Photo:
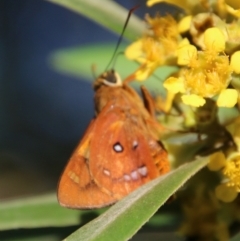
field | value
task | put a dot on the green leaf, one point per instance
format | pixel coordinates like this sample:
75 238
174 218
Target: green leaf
39 211
107 13
30 237
126 217
77 62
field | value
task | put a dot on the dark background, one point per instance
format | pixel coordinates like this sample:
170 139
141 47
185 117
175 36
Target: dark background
43 114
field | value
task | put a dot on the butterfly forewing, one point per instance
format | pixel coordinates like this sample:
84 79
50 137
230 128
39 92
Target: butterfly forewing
120 158
76 188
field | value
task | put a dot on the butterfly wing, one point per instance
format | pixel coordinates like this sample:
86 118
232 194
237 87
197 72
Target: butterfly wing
116 155
76 187
120 159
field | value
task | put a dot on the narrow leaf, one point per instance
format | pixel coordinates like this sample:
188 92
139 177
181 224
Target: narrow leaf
35 212
107 13
127 216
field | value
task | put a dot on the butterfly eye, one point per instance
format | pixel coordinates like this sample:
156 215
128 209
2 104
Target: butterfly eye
118 147
135 144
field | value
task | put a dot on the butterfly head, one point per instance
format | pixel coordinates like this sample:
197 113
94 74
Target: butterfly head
109 78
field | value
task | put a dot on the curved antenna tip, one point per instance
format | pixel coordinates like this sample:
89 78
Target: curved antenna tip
121 35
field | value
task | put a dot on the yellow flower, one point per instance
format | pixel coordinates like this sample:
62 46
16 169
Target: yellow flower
217 161
145 70
184 24
233 3
187 55
227 98
225 193
157 48
207 73
200 23
232 171
164 28
214 40
149 53
134 51
230 168
235 60
174 85
233 7
193 100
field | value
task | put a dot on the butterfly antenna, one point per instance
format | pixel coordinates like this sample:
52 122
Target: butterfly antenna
121 35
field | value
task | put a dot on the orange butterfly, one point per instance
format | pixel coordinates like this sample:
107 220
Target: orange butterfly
119 151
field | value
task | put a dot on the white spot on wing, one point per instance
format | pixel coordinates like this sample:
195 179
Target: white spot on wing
135 144
127 177
117 147
106 172
134 175
143 171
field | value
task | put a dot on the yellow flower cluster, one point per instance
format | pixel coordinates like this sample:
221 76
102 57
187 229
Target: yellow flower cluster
230 167
207 58
207 73
156 48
